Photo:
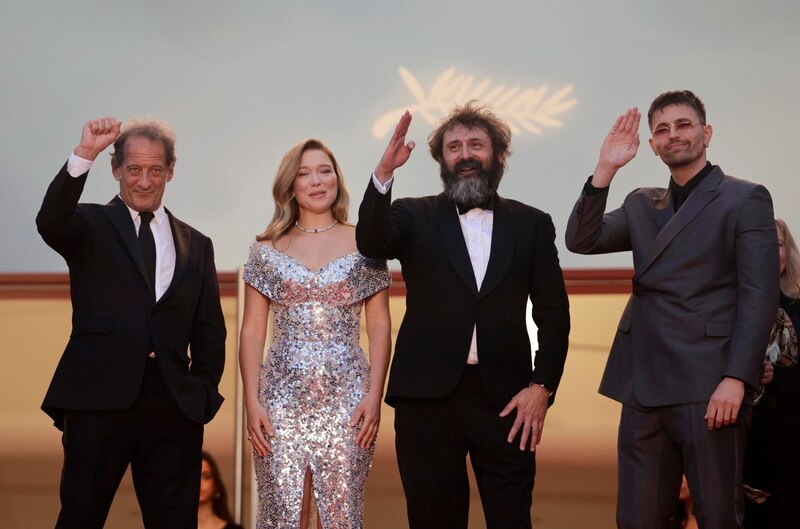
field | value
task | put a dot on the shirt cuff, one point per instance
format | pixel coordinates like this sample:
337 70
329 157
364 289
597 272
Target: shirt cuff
382 188
77 166
590 191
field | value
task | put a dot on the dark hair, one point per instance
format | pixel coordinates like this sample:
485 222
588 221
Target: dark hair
677 97
471 116
219 500
154 129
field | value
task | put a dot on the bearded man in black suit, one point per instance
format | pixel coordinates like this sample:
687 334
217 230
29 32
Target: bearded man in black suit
462 381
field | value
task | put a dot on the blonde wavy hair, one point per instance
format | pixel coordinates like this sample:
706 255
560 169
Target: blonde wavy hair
790 278
286 209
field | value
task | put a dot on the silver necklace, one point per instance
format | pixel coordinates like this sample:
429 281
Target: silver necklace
315 230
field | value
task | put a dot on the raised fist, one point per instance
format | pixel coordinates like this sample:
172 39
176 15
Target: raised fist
96 136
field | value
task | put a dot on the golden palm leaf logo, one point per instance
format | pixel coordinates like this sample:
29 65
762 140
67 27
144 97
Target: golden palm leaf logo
530 110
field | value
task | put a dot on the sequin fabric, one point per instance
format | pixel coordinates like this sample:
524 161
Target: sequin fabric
314 375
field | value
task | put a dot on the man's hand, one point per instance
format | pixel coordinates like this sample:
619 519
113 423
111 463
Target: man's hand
723 408
619 147
397 152
96 136
531 406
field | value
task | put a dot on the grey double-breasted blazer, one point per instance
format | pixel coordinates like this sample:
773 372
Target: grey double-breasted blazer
705 287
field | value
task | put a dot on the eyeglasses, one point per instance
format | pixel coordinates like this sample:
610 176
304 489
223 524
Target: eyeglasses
681 127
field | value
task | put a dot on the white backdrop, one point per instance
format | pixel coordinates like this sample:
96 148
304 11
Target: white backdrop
243 81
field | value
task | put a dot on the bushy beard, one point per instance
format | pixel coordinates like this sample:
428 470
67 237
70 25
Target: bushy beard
471 191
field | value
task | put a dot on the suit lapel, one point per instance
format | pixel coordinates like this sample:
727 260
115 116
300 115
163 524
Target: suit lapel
662 209
120 217
702 196
181 237
454 245
502 247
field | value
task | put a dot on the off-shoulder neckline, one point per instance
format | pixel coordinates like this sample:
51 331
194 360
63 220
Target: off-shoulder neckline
304 266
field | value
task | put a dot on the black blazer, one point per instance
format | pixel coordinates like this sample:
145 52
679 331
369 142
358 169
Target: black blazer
443 302
115 319
705 288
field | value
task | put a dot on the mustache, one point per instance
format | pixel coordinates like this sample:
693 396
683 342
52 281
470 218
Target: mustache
470 163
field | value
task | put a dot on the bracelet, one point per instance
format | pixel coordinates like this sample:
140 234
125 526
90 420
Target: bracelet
549 392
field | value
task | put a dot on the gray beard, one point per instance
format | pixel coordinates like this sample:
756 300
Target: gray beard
470 191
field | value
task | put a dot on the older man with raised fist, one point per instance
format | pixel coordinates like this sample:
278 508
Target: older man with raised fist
139 375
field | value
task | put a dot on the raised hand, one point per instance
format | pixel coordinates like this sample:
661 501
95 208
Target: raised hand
619 147
96 136
397 152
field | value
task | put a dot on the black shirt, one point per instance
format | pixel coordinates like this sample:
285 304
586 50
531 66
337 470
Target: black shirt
679 194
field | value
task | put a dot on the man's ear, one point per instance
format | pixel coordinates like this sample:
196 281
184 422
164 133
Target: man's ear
115 170
707 133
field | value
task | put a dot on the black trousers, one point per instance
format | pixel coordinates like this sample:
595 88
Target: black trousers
656 447
162 446
433 439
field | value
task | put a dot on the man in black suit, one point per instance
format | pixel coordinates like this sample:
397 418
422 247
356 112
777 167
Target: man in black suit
138 378
461 380
691 342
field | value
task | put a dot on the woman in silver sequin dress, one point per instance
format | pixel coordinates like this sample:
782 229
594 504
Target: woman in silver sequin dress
313 405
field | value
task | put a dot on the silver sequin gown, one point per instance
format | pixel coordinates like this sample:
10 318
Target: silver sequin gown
314 375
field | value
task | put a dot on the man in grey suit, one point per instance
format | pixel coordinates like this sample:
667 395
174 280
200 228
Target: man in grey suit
691 341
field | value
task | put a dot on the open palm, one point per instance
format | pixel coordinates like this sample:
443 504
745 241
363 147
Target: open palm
398 151
622 141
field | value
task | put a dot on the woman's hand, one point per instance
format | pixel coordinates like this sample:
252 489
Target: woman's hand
259 429
768 373
368 410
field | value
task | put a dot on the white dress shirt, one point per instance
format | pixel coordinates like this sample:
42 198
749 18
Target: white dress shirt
162 232
476 225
